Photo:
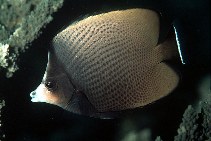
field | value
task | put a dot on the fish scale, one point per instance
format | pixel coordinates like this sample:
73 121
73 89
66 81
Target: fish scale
114 60
109 40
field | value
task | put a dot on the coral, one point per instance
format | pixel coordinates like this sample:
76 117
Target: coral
4 54
205 115
2 104
143 135
20 23
196 124
188 128
158 139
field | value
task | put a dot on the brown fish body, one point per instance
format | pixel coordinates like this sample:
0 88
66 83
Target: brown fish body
115 61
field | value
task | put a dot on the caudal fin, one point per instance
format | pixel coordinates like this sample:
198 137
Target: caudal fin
168 49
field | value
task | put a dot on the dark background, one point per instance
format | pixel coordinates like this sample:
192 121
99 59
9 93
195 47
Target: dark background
27 121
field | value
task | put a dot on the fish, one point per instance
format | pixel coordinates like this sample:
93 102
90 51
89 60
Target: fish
107 63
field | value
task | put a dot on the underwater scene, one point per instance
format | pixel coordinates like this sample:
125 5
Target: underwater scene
90 70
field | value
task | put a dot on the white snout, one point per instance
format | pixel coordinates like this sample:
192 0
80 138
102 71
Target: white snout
38 95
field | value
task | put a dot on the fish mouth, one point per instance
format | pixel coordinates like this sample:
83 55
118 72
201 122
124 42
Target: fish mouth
33 97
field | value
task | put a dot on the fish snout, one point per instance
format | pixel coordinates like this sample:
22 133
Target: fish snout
32 94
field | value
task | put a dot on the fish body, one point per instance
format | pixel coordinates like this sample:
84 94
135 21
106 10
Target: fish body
108 62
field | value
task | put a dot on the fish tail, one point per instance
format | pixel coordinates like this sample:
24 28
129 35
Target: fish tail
163 79
168 49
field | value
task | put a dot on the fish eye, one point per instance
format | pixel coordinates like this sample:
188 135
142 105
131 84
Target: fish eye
50 85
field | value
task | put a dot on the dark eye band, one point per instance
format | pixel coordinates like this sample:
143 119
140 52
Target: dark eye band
50 85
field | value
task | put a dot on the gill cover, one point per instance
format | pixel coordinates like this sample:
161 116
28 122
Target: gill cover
56 87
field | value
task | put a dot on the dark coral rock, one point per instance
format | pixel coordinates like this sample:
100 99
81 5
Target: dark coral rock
196 124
